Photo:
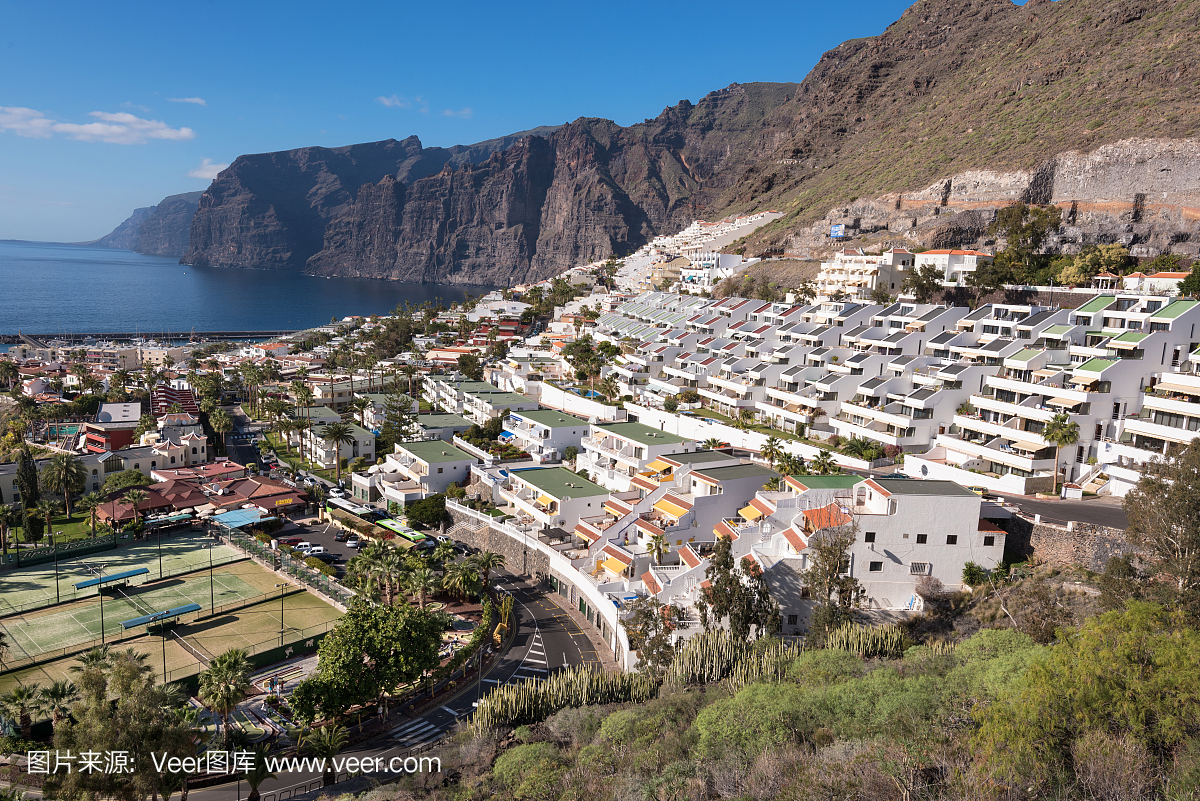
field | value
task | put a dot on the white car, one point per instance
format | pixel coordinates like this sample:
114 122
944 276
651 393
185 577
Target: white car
337 493
318 549
304 547
353 542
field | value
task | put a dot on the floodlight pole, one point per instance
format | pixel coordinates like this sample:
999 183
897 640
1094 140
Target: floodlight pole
281 589
212 596
57 591
160 553
163 631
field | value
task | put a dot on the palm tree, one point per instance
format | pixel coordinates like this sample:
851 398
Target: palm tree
772 450
135 498
259 772
222 423
711 444
8 373
461 578
409 371
64 475
99 657
744 418
8 518
338 434
422 583
658 547
23 703
358 406
1061 432
823 464
325 743
57 699
443 552
610 389
791 465
223 686
48 510
486 562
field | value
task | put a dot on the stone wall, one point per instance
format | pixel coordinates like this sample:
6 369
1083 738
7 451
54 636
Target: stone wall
517 559
1084 544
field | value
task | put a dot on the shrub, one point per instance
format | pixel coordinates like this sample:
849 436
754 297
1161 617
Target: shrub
317 564
670 404
835 441
973 575
531 771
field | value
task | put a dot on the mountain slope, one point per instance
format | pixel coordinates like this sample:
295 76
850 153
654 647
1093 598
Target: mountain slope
161 230
960 105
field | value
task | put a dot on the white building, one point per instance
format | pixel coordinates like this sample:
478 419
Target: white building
856 273
544 434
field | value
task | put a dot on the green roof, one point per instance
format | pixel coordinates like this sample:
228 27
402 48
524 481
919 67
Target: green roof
828 482
640 433
1173 309
501 399
1096 365
436 451
380 398
1096 304
558 482
1057 330
917 486
1131 336
1024 355
551 418
735 471
443 421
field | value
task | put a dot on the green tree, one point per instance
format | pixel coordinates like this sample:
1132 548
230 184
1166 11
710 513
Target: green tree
836 593
64 475
221 423
461 579
736 594
27 478
259 771
470 366
823 464
671 404
772 450
1164 520
1024 229
326 743
399 420
649 625
336 435
48 508
1190 286
90 504
124 480
57 699
373 650
711 444
486 562
1061 432
428 512
135 498
924 283
22 703
224 685
658 547
422 583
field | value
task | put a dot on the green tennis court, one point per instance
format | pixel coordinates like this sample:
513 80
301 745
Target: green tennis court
34 587
62 627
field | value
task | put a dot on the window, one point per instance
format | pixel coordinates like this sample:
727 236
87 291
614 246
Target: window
793 620
869 536
922 539
193 451
952 539
918 568
439 469
989 541
877 567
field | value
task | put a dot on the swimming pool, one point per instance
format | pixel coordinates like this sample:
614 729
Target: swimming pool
587 393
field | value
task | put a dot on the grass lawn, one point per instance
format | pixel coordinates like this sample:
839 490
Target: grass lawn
77 527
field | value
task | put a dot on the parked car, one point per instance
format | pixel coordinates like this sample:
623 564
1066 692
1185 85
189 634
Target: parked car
353 542
337 493
327 558
292 541
443 538
304 547
316 550
341 536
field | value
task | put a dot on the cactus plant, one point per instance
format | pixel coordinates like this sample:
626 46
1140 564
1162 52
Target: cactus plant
868 642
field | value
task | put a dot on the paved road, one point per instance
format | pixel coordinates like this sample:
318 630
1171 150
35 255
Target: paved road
1103 511
546 640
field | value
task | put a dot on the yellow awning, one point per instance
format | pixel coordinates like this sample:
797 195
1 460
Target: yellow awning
545 500
1084 379
1028 446
658 466
750 513
1182 389
614 565
674 510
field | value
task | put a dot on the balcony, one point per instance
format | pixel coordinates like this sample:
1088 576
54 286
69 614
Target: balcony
1146 428
607 448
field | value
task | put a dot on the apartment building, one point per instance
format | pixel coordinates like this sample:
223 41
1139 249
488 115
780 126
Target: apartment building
435 464
614 453
554 497
483 406
854 272
954 265
544 434
326 453
1095 369
442 426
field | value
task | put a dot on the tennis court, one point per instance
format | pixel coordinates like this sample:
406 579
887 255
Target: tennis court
255 628
61 627
34 587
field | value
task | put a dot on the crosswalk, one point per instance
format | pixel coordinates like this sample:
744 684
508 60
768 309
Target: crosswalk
416 732
534 665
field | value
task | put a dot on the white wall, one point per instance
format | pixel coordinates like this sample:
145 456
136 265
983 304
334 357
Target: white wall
566 401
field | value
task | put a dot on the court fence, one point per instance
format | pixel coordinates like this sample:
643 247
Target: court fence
324 587
11 665
69 594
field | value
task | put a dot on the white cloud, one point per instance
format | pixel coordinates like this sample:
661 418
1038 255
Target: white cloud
463 113
118 129
199 101
207 170
127 104
395 101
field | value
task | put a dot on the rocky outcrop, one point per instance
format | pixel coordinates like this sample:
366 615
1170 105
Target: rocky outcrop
1142 193
161 230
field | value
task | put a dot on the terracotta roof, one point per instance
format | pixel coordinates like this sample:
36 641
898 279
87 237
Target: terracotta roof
794 539
989 526
828 516
617 553
651 584
689 557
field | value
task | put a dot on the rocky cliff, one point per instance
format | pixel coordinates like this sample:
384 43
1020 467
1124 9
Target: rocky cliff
957 108
161 230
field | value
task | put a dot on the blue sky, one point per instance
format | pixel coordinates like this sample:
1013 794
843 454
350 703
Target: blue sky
107 107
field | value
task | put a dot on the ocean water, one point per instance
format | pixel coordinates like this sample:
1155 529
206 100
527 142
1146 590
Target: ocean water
48 288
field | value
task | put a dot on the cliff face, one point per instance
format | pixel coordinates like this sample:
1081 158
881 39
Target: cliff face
959 107
161 230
